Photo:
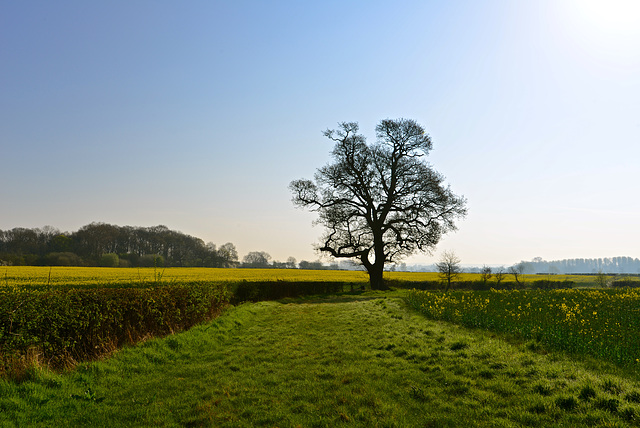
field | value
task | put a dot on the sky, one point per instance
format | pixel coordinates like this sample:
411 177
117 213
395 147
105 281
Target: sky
198 114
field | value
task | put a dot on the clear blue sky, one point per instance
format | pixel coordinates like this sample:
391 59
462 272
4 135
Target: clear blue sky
197 115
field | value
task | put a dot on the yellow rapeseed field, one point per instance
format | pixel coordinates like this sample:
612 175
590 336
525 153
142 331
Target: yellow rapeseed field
18 276
80 276
600 322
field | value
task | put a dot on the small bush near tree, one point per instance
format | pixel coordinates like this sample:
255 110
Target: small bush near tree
151 260
109 260
63 259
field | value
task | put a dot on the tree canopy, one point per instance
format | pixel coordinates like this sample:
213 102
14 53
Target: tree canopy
379 202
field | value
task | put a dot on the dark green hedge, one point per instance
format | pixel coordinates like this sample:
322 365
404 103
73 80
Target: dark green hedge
59 326
258 291
626 282
479 285
78 324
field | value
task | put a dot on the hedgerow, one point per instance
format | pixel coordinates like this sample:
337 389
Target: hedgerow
59 327
273 290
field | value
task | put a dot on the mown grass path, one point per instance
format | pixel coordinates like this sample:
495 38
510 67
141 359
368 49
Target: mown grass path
363 360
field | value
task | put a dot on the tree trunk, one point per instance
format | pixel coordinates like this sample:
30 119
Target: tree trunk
375 277
448 283
376 269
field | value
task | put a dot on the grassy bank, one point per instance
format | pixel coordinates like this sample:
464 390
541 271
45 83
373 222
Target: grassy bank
355 360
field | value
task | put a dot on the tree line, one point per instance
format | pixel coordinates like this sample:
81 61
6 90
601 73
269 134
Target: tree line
606 265
262 260
101 244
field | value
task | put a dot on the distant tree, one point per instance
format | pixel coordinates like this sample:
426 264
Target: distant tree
109 260
95 239
256 259
131 259
63 259
518 271
22 242
210 256
379 202
601 279
316 265
228 255
350 265
449 268
291 263
151 260
60 244
485 274
499 275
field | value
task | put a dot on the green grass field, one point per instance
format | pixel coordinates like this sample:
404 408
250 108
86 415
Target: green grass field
362 360
352 359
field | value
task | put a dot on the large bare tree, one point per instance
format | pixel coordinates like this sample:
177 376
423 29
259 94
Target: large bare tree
379 202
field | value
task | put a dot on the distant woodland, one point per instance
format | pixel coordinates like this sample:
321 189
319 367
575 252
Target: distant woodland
612 265
606 265
100 244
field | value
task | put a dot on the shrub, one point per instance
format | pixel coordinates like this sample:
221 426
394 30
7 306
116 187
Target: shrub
109 260
625 282
151 260
545 284
63 259
257 291
69 325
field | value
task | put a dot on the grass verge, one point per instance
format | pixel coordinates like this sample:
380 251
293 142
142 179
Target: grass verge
350 360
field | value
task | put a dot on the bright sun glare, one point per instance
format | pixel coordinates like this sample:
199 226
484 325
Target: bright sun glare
611 17
606 32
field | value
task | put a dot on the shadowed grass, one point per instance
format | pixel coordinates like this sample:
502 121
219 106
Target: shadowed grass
351 360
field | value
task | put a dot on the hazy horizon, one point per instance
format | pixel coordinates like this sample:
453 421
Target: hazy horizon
198 115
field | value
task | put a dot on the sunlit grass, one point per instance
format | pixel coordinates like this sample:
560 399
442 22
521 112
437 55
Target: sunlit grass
356 360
